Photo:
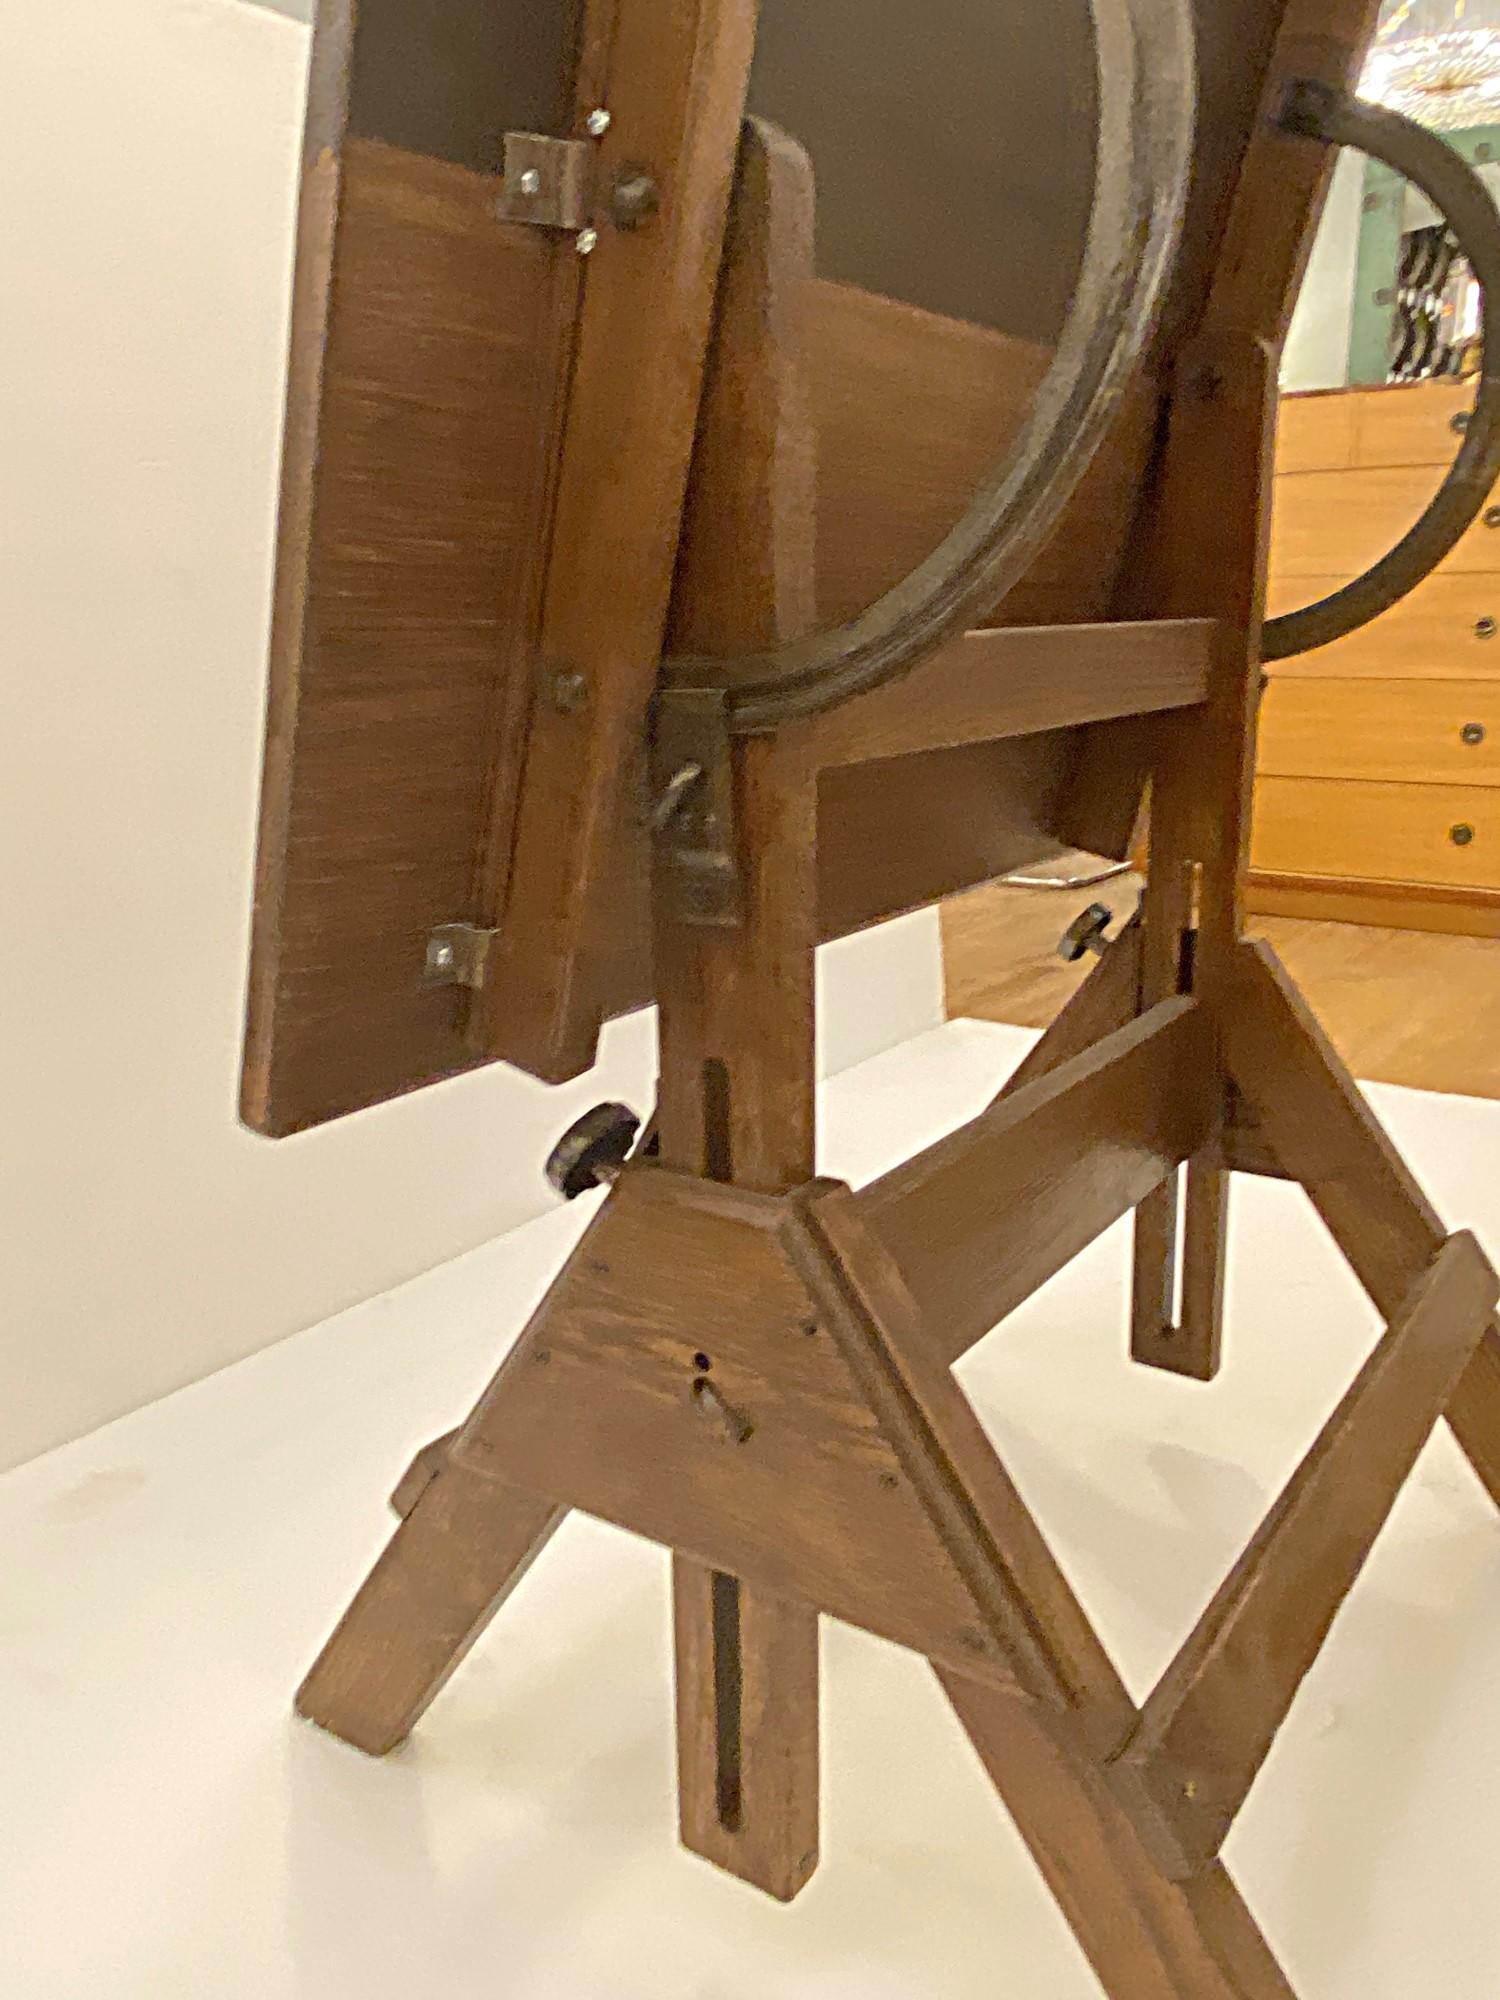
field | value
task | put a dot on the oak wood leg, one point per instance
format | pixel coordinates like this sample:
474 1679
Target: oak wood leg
1312 1114
747 1729
738 1065
457 1556
1146 1937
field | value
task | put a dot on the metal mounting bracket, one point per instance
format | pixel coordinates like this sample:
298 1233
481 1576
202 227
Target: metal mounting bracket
693 817
549 183
457 955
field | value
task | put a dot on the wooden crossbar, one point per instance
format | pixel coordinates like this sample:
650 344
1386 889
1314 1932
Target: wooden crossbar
1208 1728
1018 682
978 1221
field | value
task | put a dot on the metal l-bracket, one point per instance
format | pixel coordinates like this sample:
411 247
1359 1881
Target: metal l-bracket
548 182
693 811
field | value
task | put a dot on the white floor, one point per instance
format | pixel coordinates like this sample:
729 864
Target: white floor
168 1833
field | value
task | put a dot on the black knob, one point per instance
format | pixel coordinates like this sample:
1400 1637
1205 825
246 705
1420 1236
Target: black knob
592 1153
1086 933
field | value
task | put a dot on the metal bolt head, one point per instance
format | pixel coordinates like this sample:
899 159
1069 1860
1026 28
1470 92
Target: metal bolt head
1473 733
1461 835
635 200
598 123
586 242
441 958
531 183
1492 517
568 693
1485 628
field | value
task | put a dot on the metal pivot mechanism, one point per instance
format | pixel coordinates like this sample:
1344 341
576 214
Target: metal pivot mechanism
552 184
692 811
549 183
1316 111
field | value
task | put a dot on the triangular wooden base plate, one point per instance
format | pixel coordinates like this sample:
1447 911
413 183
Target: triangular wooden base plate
684 1380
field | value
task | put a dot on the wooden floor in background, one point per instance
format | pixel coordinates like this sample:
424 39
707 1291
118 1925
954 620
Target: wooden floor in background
1411 1007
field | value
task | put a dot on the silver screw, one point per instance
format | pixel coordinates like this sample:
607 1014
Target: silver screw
588 242
569 693
598 123
531 183
441 958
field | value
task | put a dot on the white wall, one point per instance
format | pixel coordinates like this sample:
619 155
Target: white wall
1317 349
148 151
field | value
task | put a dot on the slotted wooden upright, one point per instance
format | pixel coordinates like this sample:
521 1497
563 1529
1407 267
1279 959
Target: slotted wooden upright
754 1367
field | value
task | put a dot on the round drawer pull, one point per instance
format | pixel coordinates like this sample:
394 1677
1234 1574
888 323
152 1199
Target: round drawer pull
1485 628
1473 733
1461 835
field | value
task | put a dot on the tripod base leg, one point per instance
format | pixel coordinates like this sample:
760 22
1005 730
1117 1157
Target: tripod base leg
465 1545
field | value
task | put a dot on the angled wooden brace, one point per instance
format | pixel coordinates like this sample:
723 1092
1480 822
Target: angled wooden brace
1209 1726
1308 1117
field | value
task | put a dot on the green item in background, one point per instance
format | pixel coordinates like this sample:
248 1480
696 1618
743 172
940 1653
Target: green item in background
1381 230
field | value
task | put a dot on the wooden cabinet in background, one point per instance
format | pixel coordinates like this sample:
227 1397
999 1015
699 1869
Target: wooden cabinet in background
1378 798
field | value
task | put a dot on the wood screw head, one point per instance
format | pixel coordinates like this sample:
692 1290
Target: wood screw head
1485 628
1462 835
568 693
1473 733
1492 517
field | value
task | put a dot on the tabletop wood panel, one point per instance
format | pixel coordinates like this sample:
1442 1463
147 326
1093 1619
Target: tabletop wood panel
403 607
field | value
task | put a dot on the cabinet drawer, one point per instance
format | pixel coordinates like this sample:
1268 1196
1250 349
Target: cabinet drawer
1406 732
1316 433
1411 425
1339 523
1448 629
1377 832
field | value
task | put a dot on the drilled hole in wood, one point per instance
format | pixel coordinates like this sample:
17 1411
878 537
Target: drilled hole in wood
702 1363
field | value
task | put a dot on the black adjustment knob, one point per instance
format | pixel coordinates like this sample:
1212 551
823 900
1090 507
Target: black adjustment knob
1087 932
592 1153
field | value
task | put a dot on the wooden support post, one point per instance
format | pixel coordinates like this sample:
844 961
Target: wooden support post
1209 558
1209 1726
738 1045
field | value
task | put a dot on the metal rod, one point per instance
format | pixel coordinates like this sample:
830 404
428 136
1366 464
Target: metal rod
1335 118
1145 57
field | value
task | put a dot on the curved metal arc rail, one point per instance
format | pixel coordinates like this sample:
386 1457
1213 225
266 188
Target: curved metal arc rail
1145 57
1334 117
